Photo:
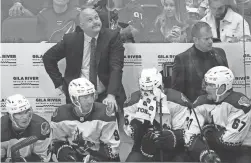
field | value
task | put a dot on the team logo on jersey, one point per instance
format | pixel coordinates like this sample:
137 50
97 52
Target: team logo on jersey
45 128
244 101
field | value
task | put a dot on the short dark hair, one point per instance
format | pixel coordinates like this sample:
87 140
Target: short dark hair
197 27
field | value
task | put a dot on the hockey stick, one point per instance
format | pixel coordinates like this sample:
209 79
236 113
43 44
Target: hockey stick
19 145
159 107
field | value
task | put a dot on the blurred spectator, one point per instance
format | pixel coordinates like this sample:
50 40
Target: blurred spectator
57 20
127 16
226 24
203 8
190 66
168 24
26 7
244 7
193 14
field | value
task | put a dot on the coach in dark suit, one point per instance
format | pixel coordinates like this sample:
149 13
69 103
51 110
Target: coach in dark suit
92 52
190 66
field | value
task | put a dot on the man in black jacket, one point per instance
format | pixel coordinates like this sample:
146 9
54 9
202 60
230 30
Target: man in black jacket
190 66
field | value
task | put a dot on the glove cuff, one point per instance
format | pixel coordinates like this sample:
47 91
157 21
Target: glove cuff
204 153
63 146
145 154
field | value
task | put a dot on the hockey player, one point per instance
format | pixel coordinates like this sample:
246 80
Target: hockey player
19 124
143 116
84 130
224 117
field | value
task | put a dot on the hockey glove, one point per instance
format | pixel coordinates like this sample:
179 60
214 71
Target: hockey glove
136 127
148 147
210 157
166 140
66 154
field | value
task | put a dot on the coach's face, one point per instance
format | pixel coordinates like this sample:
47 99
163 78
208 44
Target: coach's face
90 22
205 40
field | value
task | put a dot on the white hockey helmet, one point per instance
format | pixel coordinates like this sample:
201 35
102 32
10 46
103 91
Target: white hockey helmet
15 104
149 79
80 87
220 75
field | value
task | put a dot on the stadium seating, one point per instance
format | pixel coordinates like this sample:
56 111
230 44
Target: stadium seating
19 29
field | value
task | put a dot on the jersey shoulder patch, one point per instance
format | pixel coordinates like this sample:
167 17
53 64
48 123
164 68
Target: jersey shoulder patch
177 97
99 113
133 99
201 100
239 101
39 127
62 113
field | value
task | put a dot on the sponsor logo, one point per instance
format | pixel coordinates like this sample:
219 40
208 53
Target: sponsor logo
8 60
47 105
37 60
25 82
241 81
133 60
247 58
165 58
3 105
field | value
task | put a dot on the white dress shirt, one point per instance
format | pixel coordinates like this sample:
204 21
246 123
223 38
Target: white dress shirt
86 62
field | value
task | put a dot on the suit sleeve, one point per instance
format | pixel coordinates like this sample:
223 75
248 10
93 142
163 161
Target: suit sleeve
110 138
223 58
51 59
116 64
178 75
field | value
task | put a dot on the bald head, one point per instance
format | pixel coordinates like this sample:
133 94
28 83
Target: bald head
90 22
86 12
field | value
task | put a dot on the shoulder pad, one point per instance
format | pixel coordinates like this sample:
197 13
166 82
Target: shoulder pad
5 130
39 127
177 97
62 113
239 101
99 113
201 100
135 97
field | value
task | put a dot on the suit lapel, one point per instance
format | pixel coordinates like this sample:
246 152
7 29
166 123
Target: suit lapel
100 46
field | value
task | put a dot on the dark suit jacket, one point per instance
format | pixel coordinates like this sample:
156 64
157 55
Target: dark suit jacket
188 71
109 58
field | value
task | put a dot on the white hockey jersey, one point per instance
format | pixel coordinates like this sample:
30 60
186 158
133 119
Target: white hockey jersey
175 109
38 127
97 129
232 114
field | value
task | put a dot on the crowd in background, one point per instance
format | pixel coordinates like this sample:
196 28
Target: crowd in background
151 21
